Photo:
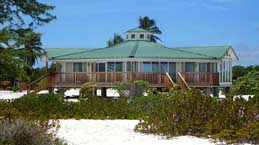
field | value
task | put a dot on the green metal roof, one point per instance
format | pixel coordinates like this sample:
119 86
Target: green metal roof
138 30
146 49
54 52
213 51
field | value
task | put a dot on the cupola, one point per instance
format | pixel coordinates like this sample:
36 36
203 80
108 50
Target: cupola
138 34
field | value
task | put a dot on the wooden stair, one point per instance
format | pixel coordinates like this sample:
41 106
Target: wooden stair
169 81
39 84
182 83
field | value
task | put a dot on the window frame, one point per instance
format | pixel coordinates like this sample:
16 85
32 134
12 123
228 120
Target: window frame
131 36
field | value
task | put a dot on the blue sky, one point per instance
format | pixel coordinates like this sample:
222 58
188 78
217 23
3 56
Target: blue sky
90 23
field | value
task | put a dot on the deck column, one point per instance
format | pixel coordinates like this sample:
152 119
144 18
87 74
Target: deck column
94 69
104 92
215 92
159 73
131 71
211 74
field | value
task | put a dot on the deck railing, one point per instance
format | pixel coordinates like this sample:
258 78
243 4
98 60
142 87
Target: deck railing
200 79
107 77
185 79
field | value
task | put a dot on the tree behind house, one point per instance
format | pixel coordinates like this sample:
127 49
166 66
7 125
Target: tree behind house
20 45
150 25
115 40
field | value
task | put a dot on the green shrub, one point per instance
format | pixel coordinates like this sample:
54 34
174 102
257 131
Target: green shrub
247 85
28 132
15 88
52 106
179 113
189 112
46 105
132 88
174 113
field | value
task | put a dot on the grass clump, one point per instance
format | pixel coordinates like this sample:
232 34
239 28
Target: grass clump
28 132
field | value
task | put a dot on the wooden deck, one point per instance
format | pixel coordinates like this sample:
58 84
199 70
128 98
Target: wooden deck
109 79
201 79
105 78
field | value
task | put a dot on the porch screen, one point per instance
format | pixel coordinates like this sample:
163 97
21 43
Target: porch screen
100 67
155 67
114 67
164 67
134 66
190 67
77 67
204 67
146 67
172 70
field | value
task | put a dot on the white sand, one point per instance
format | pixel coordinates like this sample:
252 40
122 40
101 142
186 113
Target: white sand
9 95
116 132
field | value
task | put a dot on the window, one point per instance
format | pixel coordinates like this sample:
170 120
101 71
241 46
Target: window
77 67
226 71
164 67
128 67
172 70
62 67
148 36
141 36
189 67
134 66
155 67
114 67
133 36
110 67
118 66
100 67
215 67
204 67
146 67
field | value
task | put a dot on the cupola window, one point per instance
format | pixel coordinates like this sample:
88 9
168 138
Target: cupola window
133 36
141 36
138 34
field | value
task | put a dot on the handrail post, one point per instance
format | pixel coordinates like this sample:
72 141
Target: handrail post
211 79
182 80
131 71
159 73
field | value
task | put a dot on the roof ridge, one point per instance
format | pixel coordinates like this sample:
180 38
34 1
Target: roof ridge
134 50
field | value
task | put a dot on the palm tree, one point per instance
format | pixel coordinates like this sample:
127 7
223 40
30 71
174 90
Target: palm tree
150 25
115 40
31 45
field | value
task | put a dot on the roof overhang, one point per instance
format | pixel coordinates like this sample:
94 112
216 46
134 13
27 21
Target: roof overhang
138 59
